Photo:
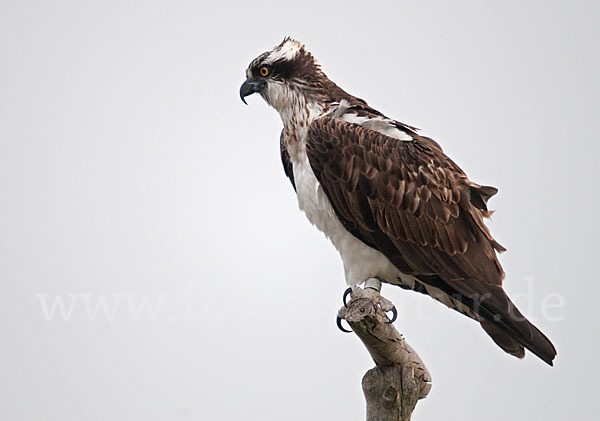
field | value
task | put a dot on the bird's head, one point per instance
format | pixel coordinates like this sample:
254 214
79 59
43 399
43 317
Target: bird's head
286 76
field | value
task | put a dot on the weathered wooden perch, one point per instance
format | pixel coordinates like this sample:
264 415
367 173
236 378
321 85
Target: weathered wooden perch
399 379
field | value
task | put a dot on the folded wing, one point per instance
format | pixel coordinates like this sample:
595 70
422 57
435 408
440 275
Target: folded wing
408 200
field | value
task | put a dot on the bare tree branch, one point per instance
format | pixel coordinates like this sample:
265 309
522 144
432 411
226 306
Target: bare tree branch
399 379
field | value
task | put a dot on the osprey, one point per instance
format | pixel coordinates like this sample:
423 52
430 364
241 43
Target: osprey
397 209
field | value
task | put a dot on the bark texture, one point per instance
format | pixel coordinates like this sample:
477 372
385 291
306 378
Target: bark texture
399 379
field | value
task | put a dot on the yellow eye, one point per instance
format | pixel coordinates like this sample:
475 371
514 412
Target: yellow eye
264 71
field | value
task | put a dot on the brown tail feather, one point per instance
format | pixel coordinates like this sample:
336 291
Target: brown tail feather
502 339
498 316
513 332
503 321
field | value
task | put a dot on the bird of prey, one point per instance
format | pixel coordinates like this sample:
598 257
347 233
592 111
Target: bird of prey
397 209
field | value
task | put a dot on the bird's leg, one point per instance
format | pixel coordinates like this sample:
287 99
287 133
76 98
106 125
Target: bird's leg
373 283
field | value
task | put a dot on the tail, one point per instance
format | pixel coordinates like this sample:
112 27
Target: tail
512 332
498 315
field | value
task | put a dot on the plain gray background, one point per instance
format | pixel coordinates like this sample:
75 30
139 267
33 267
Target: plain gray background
130 170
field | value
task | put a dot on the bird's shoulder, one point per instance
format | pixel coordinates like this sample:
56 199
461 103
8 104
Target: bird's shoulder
358 113
359 131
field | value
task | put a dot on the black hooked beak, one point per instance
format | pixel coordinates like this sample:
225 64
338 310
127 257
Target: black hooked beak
249 87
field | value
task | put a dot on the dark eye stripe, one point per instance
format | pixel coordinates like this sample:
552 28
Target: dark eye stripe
283 69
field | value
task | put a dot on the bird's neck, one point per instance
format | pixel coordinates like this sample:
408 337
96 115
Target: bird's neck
297 116
299 112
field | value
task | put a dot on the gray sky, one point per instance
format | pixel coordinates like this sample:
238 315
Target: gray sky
130 170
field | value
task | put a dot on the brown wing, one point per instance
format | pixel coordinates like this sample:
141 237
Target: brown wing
285 160
412 203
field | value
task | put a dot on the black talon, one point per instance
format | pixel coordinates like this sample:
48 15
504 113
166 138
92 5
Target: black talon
394 316
348 291
338 321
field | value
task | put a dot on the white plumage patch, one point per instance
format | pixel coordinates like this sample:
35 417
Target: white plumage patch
379 124
287 51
